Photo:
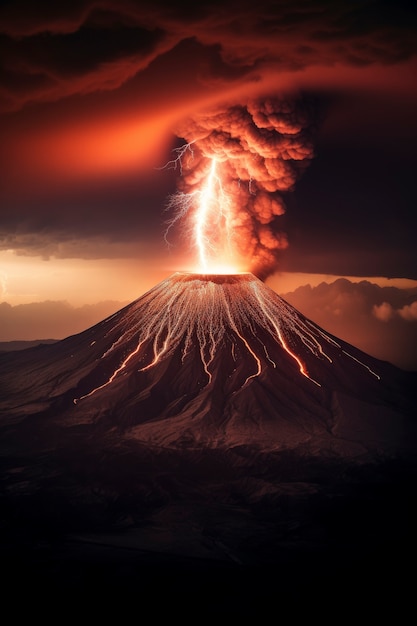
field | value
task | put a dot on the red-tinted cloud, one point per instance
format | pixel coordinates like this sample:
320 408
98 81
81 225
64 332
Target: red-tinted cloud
382 321
92 90
260 149
55 50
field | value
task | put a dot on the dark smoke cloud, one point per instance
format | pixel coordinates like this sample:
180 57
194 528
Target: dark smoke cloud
53 50
263 148
89 88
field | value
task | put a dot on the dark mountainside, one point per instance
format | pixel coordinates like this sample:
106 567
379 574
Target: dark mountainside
207 441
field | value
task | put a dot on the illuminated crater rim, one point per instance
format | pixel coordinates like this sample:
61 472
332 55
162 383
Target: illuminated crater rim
232 277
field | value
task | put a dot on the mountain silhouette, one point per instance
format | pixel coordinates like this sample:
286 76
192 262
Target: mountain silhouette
214 360
208 422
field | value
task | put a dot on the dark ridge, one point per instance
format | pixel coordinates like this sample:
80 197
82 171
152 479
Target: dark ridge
11 346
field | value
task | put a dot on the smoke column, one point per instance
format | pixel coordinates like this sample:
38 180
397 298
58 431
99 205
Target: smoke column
260 150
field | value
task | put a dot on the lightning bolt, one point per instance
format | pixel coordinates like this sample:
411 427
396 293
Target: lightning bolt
210 225
201 218
181 152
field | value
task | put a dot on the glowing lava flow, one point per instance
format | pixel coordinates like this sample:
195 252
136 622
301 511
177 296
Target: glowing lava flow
214 313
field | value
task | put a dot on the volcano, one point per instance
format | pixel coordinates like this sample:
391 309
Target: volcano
206 422
218 361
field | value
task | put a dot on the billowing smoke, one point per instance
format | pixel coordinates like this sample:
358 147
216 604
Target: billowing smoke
262 148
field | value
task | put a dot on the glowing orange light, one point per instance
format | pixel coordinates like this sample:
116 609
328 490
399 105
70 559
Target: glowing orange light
202 217
209 213
213 226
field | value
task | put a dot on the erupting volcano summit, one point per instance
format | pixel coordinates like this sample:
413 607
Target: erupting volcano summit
214 360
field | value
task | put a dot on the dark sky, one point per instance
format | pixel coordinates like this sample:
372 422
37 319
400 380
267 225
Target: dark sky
92 92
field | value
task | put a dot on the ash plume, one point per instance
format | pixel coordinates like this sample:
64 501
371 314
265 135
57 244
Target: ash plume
262 147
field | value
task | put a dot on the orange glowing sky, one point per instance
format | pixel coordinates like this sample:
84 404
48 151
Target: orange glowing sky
92 95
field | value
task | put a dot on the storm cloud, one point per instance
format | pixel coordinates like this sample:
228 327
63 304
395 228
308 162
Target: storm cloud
94 94
261 148
53 51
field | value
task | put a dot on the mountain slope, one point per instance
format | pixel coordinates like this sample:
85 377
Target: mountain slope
214 360
207 441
